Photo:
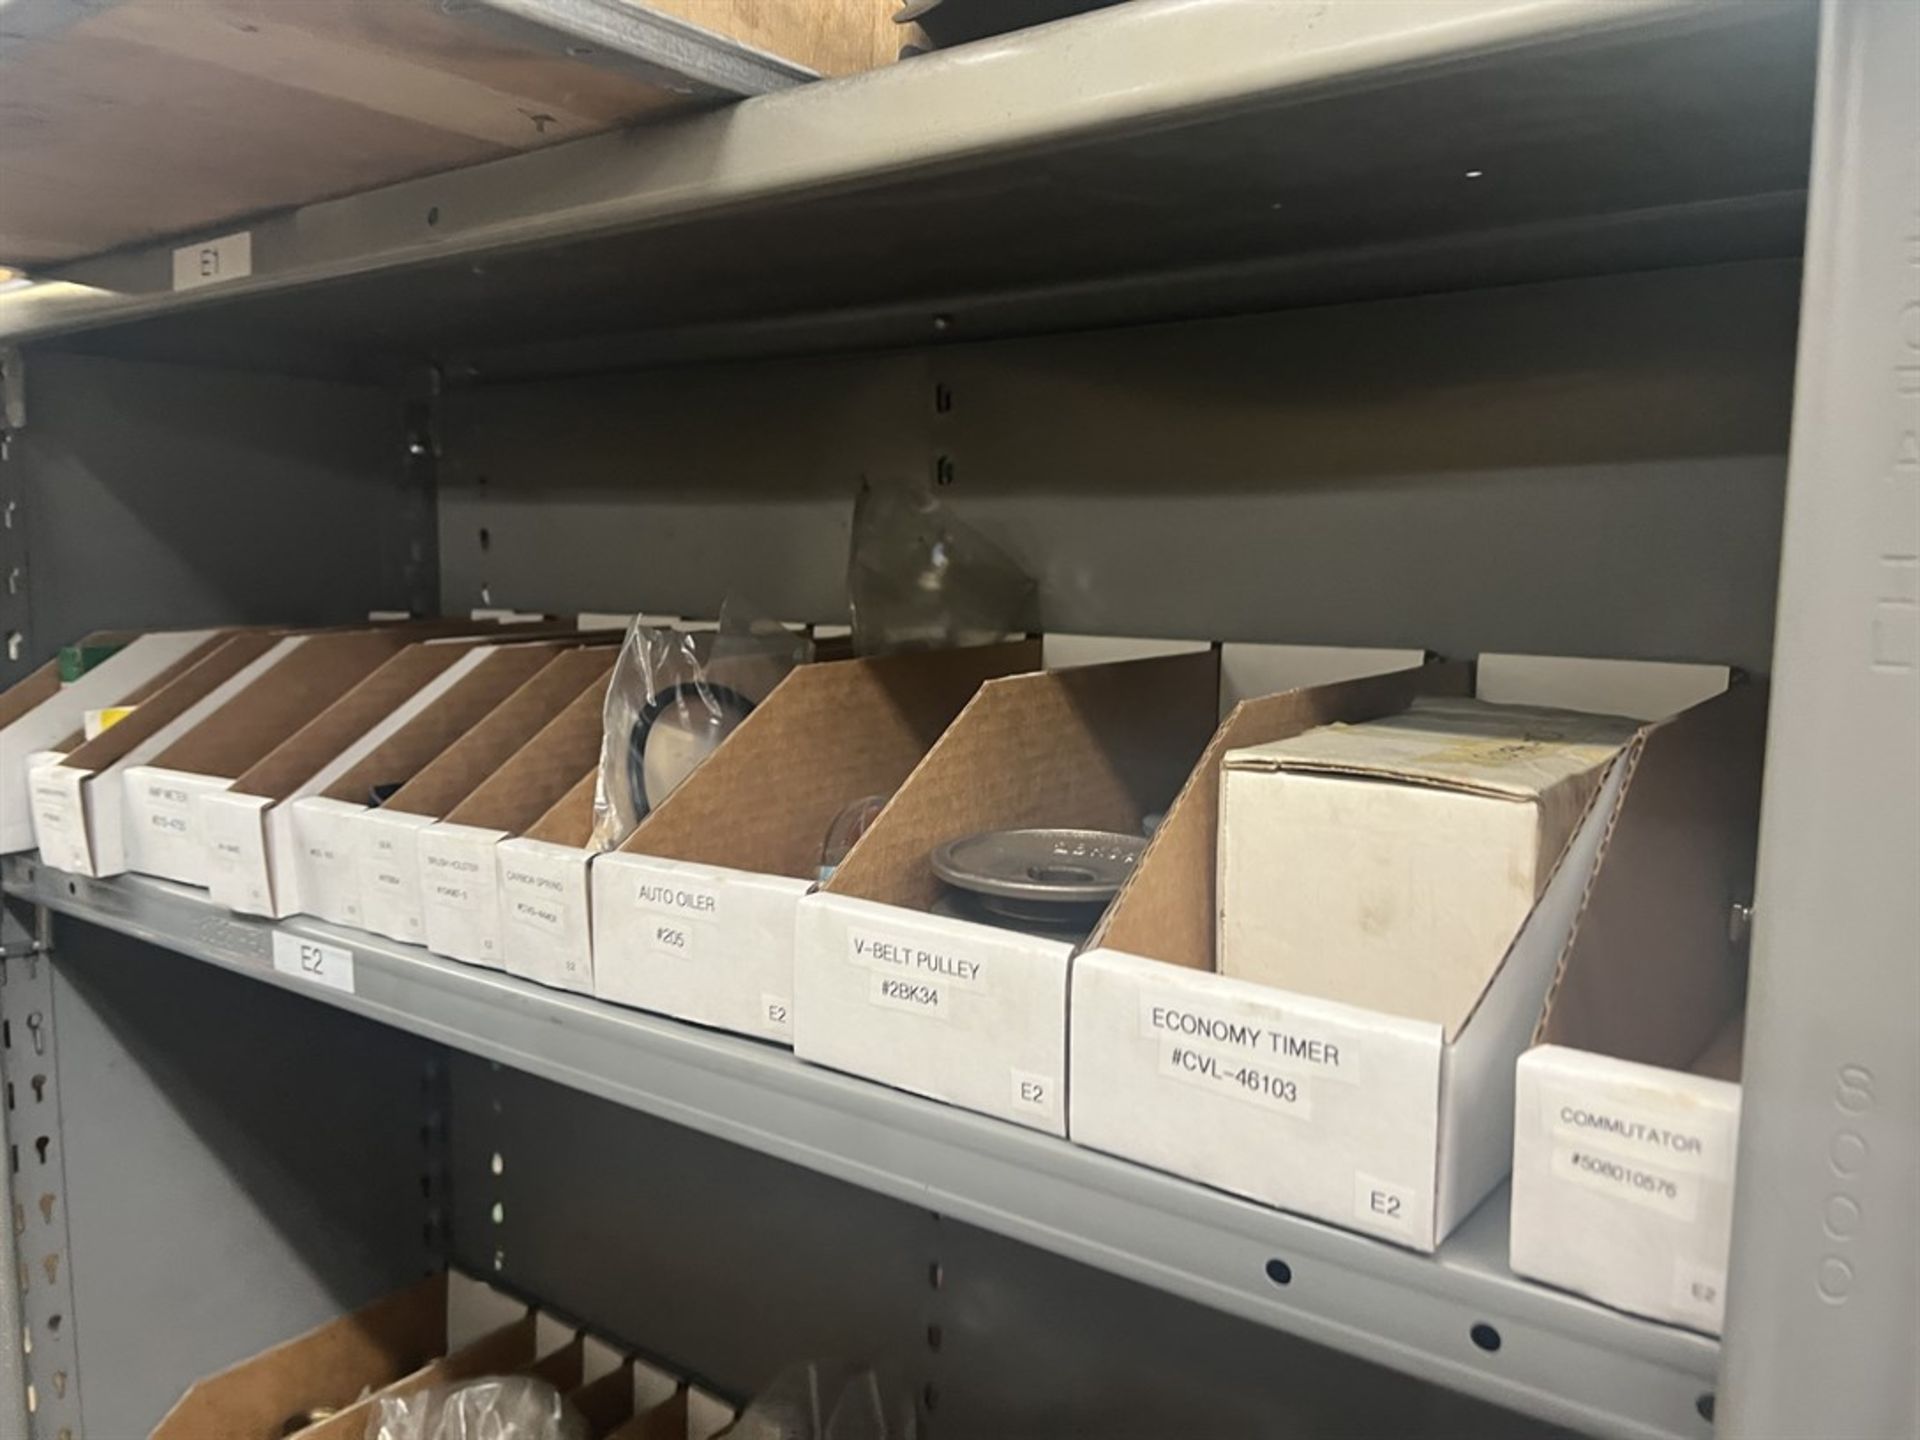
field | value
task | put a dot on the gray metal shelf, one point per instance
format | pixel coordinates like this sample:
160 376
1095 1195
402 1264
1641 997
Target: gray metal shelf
1560 1358
1167 157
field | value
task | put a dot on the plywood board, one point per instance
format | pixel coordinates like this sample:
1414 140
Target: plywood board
150 118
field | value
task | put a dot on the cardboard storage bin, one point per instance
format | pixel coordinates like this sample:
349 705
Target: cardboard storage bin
386 839
1627 1111
960 1010
460 876
79 797
545 880
1393 1126
328 1383
694 914
291 684
247 827
41 718
325 823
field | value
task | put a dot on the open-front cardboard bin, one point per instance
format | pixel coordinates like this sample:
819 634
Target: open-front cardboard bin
385 840
328 1384
956 1009
1384 1124
546 885
41 719
460 874
78 798
694 914
247 827
284 689
1627 1110
326 865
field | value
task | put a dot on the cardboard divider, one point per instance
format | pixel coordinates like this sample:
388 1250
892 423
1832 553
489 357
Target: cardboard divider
248 826
960 1010
443 1332
78 800
327 868
387 839
668 1420
55 719
163 833
605 1403
1627 1111
459 871
509 1350
327 1368
1307 1101
694 914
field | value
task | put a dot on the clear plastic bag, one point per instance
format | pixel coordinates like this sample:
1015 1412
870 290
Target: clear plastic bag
674 696
825 1400
507 1407
920 578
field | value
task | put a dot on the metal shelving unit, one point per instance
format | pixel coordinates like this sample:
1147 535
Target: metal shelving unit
1561 1358
1508 279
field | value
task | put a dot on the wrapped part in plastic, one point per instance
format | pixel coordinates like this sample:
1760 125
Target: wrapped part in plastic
504 1407
825 1400
674 696
921 578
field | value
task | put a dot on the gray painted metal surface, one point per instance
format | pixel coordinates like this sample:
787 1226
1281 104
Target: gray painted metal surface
1824 1298
719 1262
31 1064
238 1168
1072 155
150 495
1391 473
1568 1361
18 942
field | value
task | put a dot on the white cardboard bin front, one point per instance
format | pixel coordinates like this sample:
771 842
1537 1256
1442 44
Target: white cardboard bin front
386 849
545 920
698 942
1400 1138
80 817
161 821
325 862
962 1012
63 712
256 862
460 892
1623 1183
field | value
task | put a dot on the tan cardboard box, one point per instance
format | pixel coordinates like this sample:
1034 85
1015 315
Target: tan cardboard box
964 1011
79 799
387 843
460 873
1315 1103
694 914
1396 859
327 864
52 723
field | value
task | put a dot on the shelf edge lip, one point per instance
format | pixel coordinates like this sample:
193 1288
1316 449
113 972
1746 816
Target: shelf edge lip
975 1164
1098 73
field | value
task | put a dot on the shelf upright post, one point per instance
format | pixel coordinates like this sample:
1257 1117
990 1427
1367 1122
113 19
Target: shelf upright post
1824 1294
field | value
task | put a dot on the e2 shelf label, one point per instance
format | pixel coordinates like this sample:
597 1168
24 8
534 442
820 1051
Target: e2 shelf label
309 960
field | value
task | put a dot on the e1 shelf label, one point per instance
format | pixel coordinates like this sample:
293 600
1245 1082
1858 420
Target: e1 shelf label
230 257
313 962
